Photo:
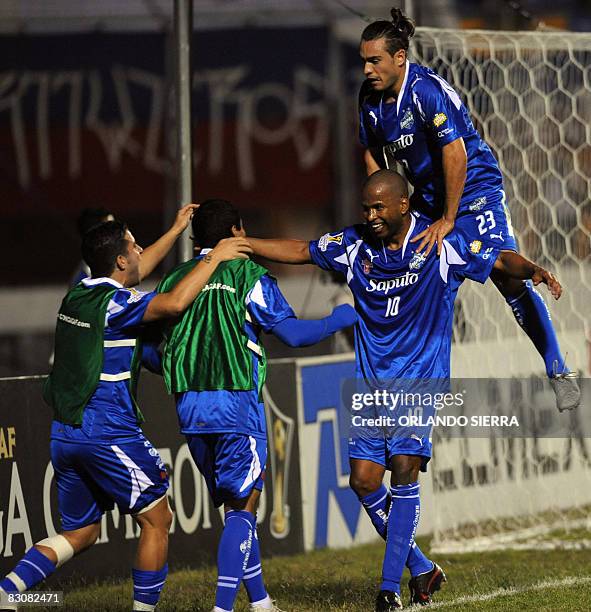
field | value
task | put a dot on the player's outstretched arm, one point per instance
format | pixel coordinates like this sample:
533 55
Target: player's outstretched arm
282 250
155 253
304 332
515 265
174 302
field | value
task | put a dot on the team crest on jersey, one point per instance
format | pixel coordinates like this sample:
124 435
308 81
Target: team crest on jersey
417 261
439 119
475 246
135 296
367 266
407 120
478 204
326 240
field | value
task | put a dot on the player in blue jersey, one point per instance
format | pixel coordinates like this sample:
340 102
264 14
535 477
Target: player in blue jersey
100 456
404 300
411 116
222 418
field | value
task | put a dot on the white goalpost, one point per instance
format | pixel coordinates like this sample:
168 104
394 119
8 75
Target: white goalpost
529 95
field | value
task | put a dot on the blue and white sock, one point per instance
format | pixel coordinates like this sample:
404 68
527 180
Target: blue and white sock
253 575
233 554
377 506
532 314
147 587
29 571
402 524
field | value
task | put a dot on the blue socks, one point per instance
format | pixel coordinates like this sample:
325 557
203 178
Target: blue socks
233 555
533 315
253 575
30 570
402 525
147 587
377 506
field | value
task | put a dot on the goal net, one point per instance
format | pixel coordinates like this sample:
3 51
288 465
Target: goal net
529 95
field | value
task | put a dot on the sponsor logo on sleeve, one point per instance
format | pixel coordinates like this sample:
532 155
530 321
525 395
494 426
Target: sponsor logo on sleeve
328 239
478 204
475 246
439 119
487 253
135 296
444 132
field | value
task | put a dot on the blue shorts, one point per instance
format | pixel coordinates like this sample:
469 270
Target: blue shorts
92 478
487 220
381 449
232 464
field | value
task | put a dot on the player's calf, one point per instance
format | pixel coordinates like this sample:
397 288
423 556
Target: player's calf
40 561
150 571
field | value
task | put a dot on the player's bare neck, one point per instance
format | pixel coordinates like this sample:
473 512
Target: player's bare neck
396 241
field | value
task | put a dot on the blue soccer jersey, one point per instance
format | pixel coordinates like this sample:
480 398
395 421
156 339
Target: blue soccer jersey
427 115
110 413
404 300
241 412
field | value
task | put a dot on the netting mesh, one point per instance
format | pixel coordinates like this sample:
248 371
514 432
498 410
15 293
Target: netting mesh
529 95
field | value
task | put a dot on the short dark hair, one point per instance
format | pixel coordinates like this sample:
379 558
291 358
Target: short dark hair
397 32
213 221
89 218
102 245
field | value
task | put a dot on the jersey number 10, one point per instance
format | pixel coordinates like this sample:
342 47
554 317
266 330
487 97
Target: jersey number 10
392 306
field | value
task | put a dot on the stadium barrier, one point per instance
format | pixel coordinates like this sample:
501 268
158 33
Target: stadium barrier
306 502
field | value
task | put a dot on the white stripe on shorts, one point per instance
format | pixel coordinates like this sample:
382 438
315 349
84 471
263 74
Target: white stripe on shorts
255 466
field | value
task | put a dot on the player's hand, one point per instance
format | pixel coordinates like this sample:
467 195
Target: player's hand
435 233
183 217
344 315
231 248
543 276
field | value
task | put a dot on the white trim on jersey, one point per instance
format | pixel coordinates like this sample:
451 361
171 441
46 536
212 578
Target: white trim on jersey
449 257
89 282
255 466
115 343
256 295
115 377
255 347
413 222
401 93
348 258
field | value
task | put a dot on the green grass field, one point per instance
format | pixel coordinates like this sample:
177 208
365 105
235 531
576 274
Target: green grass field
348 579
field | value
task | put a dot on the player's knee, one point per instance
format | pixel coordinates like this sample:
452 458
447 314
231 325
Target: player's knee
364 484
83 538
405 469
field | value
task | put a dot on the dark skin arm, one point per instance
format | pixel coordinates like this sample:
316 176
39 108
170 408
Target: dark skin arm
371 165
174 302
516 266
455 163
282 250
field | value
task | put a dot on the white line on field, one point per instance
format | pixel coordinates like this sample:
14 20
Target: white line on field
539 586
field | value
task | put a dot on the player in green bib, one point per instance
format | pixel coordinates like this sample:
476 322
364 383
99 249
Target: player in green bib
215 365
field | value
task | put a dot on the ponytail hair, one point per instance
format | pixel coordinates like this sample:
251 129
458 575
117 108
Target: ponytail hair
397 33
